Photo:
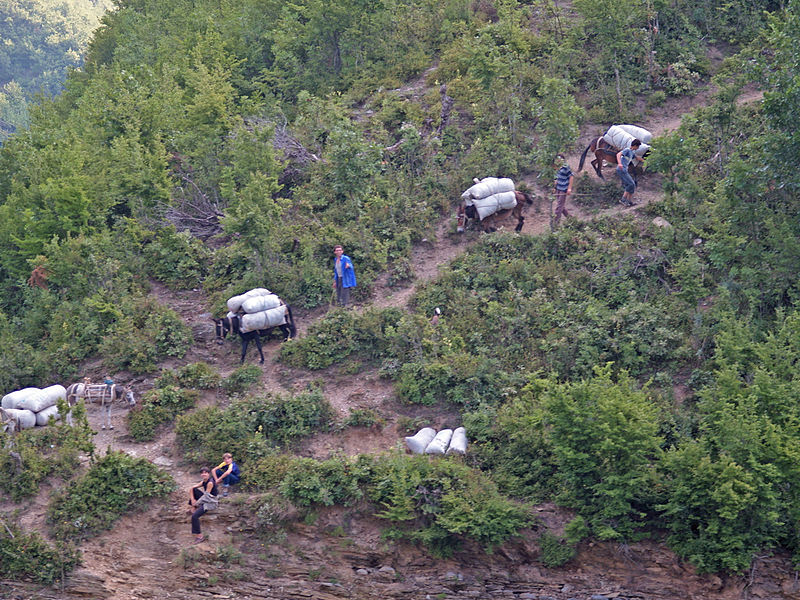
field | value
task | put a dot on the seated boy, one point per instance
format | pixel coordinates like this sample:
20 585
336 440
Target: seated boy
227 472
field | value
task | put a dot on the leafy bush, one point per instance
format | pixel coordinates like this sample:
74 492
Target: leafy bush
25 556
199 375
308 482
242 379
115 485
553 551
43 451
440 500
158 406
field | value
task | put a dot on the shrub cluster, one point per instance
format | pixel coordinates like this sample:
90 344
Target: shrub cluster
25 556
115 485
159 405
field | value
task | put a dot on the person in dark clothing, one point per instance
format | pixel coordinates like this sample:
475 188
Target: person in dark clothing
203 497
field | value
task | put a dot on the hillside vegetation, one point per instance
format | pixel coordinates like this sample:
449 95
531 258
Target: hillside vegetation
647 378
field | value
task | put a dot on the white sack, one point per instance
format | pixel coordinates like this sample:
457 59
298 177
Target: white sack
488 186
641 133
43 416
260 303
10 400
230 314
24 418
489 206
458 443
262 320
420 440
235 302
621 139
439 444
49 397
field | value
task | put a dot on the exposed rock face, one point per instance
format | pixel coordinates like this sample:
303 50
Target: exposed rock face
342 556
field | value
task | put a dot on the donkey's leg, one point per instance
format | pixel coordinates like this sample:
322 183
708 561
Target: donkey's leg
245 343
258 345
108 414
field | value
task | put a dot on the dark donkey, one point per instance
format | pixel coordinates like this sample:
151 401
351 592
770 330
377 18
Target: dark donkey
232 323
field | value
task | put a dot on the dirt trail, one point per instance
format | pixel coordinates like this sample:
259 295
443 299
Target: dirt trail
150 555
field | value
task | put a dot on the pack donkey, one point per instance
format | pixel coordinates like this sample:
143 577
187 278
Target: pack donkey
232 323
104 394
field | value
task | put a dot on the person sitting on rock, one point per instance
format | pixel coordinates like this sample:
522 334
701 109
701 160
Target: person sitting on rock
227 472
203 498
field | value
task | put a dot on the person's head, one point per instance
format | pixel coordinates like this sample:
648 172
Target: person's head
227 457
560 160
338 250
636 143
205 473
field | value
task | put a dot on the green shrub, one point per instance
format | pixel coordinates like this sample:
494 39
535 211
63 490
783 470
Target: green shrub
25 556
199 375
242 379
554 551
440 500
158 406
363 417
308 482
283 419
115 485
43 451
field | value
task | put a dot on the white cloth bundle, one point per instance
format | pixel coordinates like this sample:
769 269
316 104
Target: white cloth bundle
439 443
260 303
458 443
43 416
262 320
235 302
621 139
487 187
638 132
44 399
10 400
420 440
491 204
25 418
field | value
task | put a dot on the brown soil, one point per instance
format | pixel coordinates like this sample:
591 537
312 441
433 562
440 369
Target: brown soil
338 552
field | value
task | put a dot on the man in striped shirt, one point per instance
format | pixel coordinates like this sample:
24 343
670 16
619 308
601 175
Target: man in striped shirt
563 181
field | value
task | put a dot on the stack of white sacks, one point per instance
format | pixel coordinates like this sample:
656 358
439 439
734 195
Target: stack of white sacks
621 136
33 406
490 194
447 441
257 309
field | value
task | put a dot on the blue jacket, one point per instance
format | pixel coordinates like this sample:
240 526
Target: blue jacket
348 273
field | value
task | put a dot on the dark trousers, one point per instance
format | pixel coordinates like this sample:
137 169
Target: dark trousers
197 493
342 293
228 479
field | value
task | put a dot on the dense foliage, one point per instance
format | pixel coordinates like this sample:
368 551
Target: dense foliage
645 377
115 485
25 555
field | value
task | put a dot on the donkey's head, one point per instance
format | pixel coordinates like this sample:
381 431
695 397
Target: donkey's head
129 397
224 326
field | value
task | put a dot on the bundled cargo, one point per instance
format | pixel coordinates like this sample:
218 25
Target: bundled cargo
46 398
491 204
258 304
458 443
11 399
235 302
420 440
440 443
488 186
263 319
621 139
26 419
638 132
43 416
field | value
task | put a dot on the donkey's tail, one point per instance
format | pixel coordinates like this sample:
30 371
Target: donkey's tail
583 157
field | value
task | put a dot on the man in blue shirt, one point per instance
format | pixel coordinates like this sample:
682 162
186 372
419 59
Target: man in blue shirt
624 159
344 277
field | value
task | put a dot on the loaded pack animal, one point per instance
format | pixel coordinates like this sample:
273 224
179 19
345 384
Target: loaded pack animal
229 324
490 223
603 151
104 394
